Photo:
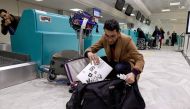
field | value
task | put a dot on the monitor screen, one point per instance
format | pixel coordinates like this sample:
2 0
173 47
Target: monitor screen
138 16
119 4
129 10
188 24
96 12
148 21
142 18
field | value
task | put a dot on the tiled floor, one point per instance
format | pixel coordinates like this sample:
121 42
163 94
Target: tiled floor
164 84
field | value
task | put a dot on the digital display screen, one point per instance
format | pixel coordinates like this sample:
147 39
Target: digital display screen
96 12
148 21
119 4
129 10
138 16
142 18
188 23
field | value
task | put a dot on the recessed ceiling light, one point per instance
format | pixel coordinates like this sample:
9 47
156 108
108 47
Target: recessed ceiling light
124 8
132 14
121 23
182 7
76 9
38 0
173 19
165 10
174 3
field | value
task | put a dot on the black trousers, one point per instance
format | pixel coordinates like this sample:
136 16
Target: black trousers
118 68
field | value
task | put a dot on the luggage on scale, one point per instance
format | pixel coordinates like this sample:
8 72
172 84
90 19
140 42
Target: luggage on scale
57 63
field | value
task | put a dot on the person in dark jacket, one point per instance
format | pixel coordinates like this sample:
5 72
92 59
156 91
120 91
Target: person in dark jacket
157 35
162 36
174 38
140 33
9 22
141 41
121 53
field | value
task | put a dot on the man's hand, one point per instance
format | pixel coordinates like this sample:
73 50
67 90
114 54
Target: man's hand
7 22
93 57
130 78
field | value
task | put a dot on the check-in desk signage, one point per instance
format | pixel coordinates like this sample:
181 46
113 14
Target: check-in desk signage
45 19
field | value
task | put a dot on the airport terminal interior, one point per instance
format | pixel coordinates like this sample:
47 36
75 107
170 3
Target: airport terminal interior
43 43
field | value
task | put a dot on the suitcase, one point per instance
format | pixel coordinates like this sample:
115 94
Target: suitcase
73 68
141 44
57 63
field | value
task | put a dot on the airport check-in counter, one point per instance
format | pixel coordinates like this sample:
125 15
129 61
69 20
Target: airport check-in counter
41 34
133 36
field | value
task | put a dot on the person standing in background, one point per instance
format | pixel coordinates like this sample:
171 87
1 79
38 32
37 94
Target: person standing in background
174 38
162 36
156 34
9 22
141 41
168 39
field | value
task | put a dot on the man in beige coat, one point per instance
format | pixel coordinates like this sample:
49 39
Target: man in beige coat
121 52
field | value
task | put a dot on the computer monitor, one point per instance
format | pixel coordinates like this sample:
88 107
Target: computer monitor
148 21
96 12
142 18
188 23
119 4
129 10
138 16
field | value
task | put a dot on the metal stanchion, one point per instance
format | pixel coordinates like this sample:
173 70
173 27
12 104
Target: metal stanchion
81 37
187 45
180 43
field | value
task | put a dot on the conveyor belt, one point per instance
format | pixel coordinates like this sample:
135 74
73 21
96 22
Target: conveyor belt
4 61
15 69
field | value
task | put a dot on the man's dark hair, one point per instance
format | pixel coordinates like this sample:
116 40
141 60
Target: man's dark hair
2 10
111 25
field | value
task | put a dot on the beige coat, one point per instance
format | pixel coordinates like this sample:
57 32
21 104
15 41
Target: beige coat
125 51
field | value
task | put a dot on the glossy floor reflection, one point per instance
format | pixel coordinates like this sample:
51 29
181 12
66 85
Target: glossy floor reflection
164 84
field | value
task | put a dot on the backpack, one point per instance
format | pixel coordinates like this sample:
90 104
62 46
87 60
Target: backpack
107 94
76 21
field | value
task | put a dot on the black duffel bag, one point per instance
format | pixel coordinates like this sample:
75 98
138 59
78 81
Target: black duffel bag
108 94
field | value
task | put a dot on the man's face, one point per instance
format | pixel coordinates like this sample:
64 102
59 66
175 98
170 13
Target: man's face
111 36
5 16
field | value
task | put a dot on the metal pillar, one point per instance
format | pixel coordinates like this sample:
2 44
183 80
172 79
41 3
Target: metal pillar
81 37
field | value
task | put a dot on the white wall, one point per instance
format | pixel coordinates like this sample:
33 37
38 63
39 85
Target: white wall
16 7
179 28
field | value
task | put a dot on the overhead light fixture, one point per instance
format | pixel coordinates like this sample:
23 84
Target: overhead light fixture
38 0
165 10
173 19
121 23
76 9
124 8
182 7
132 14
174 3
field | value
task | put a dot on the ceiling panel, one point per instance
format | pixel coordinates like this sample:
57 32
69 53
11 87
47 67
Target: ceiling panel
59 4
155 6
